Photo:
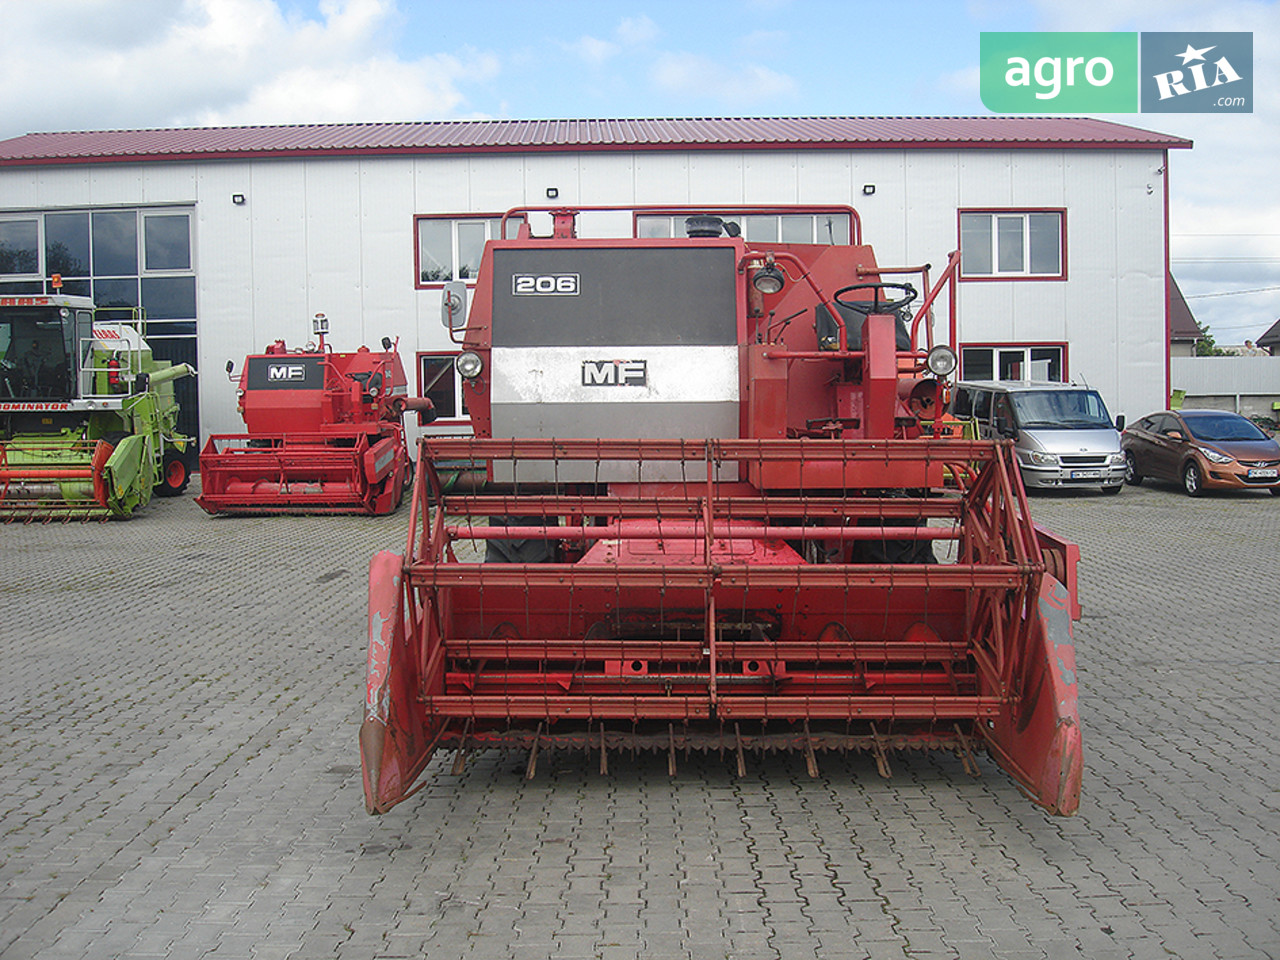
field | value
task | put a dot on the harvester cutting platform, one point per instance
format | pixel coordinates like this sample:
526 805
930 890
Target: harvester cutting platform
716 515
88 419
325 433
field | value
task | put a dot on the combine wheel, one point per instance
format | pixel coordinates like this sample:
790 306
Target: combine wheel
175 474
1191 480
1131 474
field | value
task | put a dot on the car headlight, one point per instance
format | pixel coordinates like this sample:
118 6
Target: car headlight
941 361
469 365
1117 459
1042 459
1214 456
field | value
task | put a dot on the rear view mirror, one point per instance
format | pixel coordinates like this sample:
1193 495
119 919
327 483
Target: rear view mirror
1120 422
453 305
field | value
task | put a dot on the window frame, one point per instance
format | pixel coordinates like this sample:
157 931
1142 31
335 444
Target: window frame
1026 347
1013 276
454 220
740 213
462 417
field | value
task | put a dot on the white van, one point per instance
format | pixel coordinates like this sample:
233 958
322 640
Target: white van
1062 432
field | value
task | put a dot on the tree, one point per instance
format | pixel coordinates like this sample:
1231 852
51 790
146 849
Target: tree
1206 347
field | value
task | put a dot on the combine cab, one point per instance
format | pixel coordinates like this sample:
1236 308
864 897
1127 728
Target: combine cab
717 513
88 420
325 434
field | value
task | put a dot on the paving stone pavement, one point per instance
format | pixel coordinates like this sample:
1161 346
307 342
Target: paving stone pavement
181 697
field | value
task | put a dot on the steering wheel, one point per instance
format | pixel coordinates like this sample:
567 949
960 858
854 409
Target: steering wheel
877 305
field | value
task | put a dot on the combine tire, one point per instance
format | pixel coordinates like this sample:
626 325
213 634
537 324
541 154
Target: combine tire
175 474
1191 480
1131 474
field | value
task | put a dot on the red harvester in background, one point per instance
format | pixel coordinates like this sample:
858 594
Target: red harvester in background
325 433
716 515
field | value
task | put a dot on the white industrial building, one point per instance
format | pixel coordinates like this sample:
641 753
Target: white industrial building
231 238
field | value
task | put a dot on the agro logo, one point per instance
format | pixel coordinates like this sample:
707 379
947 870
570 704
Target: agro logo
286 373
615 373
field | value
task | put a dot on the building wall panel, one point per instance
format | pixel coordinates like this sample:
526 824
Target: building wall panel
336 235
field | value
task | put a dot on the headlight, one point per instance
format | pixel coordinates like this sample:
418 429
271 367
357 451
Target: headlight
1214 456
1043 459
469 365
941 361
1117 459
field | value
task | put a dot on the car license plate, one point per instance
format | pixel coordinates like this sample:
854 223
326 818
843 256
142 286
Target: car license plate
1268 473
1086 474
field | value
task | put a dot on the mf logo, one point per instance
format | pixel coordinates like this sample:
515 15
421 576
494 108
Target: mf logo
286 372
615 373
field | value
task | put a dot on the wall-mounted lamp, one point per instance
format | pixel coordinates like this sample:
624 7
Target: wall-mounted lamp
238 199
868 189
552 193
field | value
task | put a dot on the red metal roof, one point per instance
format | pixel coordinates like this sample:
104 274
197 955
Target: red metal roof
521 136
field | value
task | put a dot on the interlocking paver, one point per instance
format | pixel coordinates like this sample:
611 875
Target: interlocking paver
182 780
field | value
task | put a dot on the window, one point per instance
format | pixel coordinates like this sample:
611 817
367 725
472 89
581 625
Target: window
450 248
124 259
438 380
66 244
19 248
829 228
168 241
1012 244
1014 362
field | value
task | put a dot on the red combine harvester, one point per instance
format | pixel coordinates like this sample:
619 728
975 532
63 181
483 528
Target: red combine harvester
716 515
326 433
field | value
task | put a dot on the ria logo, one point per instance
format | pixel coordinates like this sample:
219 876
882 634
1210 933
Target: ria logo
1172 83
286 372
615 373
1197 72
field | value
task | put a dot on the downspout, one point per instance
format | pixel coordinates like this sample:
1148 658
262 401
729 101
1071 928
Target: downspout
1168 294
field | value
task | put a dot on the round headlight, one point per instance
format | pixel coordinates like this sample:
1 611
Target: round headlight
941 361
768 279
469 365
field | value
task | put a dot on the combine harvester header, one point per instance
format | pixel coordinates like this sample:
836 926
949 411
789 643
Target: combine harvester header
325 433
717 513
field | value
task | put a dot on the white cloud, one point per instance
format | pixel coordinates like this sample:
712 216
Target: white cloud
594 50
155 63
636 31
742 85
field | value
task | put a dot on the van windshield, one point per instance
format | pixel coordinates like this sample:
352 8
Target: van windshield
1061 409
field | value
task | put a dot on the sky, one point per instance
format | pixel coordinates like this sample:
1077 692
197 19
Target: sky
110 64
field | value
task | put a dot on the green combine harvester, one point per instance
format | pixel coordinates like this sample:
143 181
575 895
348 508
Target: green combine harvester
88 419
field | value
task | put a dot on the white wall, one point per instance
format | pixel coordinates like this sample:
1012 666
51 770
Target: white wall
336 235
1245 385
